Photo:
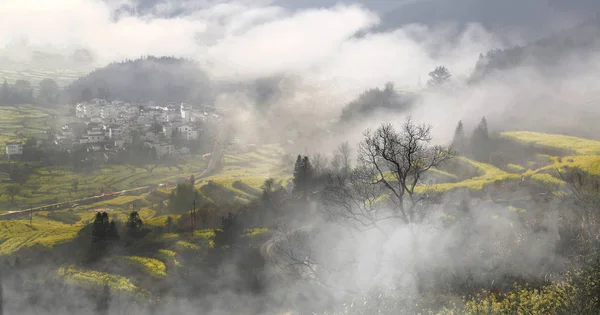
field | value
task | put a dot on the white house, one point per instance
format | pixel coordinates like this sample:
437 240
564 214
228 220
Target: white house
183 130
108 112
99 101
192 135
164 149
14 148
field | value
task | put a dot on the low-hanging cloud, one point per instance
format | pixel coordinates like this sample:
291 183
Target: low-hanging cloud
247 39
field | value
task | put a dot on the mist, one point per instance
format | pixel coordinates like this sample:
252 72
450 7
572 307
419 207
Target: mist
319 60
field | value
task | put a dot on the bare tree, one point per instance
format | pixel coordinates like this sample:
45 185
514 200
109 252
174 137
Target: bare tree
300 254
389 167
319 163
341 161
582 192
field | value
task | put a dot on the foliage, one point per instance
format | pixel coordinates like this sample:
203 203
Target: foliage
377 99
488 175
550 299
162 80
480 141
459 141
103 230
229 231
134 223
255 232
439 76
17 234
150 266
515 168
182 197
303 176
96 278
187 245
168 256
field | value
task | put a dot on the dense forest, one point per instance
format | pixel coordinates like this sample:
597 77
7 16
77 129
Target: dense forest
545 53
157 79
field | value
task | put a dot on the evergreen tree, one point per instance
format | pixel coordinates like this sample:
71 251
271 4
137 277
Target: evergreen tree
297 171
134 223
480 141
100 228
182 197
439 76
112 233
169 224
303 175
458 142
228 232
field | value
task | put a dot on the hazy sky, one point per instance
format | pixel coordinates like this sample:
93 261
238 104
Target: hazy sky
248 38
256 38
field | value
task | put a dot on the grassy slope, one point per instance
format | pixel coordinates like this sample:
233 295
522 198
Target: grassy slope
586 153
488 174
578 145
62 76
250 168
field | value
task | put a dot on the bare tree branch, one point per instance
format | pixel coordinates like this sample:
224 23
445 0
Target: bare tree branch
390 166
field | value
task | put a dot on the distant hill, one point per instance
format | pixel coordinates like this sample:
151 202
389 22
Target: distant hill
159 79
375 100
543 54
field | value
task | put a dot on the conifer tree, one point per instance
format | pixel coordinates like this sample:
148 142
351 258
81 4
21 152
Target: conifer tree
112 233
480 141
100 228
458 142
303 175
134 223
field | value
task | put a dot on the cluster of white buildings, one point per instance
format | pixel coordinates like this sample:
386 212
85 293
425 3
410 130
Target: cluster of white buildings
106 126
117 112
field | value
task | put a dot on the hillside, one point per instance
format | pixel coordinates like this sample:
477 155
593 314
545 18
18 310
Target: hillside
162 80
147 267
545 53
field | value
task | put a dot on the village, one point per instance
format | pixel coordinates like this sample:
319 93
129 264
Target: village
107 127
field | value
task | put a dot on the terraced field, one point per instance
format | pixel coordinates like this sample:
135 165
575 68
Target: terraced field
241 176
579 146
18 234
251 169
23 121
47 186
95 279
62 76
585 153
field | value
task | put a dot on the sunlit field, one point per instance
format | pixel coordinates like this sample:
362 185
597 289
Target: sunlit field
577 145
63 77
